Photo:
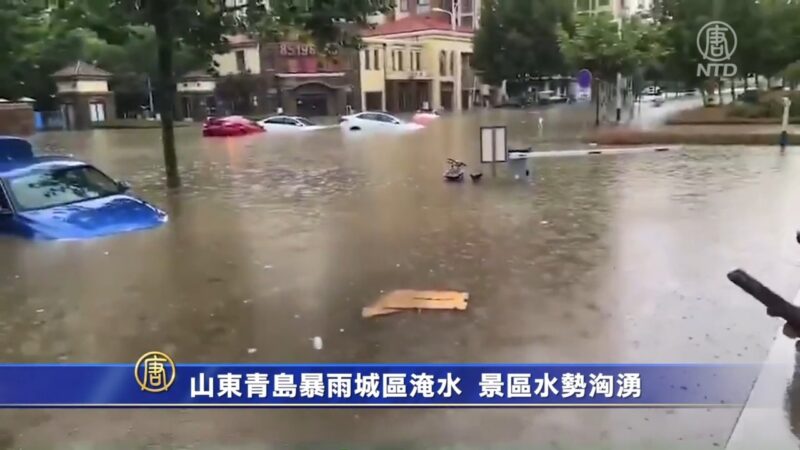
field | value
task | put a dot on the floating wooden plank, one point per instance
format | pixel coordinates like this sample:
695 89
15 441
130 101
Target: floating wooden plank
404 299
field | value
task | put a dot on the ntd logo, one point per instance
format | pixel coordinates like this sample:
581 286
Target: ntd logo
716 41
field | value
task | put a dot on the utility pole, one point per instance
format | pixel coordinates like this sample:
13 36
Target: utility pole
619 75
150 95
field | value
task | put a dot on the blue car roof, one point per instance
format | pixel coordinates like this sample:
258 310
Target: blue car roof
13 169
17 158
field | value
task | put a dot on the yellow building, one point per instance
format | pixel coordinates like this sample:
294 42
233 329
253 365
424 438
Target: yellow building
417 60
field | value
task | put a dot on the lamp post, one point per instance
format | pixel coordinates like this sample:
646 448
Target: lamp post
784 140
453 14
619 75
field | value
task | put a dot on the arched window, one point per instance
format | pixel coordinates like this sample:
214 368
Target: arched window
443 63
452 64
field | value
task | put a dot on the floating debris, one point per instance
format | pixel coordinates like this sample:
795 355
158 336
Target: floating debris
404 299
317 342
251 350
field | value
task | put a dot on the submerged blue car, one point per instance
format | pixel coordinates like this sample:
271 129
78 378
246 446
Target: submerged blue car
57 197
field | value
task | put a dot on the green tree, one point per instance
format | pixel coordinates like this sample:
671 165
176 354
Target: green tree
518 39
681 20
791 74
607 46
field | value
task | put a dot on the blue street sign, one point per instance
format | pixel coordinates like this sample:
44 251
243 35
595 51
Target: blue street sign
584 78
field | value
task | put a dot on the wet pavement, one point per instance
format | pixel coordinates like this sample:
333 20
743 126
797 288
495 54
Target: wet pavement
275 240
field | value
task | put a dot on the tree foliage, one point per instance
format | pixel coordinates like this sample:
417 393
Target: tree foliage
792 74
606 47
518 39
768 34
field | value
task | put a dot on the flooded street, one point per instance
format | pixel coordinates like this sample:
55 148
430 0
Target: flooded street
274 240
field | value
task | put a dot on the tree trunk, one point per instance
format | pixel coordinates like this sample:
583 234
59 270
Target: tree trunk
746 82
165 89
596 102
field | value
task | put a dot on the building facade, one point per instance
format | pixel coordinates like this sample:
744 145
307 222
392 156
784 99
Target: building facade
617 8
258 78
415 61
82 90
194 98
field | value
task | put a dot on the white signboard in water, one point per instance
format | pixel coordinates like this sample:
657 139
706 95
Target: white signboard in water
494 145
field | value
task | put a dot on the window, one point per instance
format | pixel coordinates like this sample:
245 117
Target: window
241 67
403 5
366 60
376 62
385 118
394 60
368 116
305 121
97 112
452 63
442 63
4 203
61 187
400 60
423 6
282 121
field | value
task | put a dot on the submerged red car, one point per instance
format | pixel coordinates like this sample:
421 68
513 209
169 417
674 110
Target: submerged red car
230 126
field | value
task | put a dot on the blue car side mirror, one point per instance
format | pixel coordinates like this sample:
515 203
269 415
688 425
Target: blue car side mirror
124 186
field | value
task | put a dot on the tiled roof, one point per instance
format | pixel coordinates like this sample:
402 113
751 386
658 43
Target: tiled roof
413 24
241 40
81 69
197 75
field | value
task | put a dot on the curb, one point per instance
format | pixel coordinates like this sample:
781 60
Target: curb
597 152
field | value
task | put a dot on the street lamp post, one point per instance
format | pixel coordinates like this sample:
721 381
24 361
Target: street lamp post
453 14
619 75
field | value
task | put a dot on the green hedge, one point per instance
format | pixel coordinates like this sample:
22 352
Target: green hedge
770 105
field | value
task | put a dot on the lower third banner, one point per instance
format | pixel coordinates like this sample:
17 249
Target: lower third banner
156 382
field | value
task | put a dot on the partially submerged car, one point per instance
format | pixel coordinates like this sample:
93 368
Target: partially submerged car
230 126
377 121
425 116
289 124
58 197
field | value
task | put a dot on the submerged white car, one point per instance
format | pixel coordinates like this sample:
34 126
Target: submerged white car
376 121
289 124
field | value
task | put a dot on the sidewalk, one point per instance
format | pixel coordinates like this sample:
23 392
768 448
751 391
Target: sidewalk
694 135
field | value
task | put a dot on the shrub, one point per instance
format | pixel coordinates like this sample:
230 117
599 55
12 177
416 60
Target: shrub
749 111
750 96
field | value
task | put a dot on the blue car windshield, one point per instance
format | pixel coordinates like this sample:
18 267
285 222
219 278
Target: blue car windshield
62 186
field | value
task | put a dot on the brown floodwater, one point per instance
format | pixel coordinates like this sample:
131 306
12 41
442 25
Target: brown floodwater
274 240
